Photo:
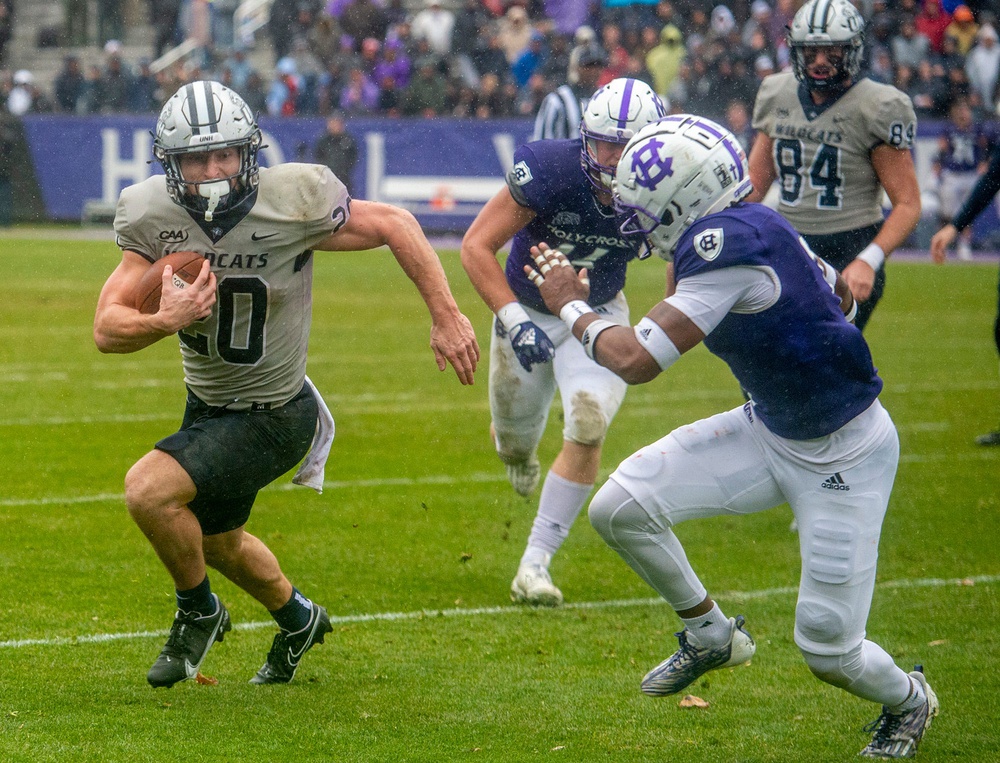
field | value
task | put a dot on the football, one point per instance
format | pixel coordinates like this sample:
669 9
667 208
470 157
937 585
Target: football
186 265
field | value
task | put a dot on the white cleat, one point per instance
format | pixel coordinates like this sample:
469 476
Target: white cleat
533 585
524 475
689 663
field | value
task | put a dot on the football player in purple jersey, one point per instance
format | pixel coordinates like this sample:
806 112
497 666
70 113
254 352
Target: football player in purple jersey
813 434
558 192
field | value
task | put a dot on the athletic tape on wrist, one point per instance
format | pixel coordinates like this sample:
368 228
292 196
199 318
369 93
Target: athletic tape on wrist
511 315
851 314
571 311
872 255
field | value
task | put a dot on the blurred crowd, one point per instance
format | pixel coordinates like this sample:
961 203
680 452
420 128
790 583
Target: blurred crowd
495 58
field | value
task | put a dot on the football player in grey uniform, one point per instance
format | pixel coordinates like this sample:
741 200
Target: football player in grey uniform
834 141
243 326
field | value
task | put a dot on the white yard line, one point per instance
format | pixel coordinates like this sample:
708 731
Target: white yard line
100 638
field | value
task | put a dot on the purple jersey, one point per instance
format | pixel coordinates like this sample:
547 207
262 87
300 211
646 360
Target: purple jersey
548 179
807 369
965 149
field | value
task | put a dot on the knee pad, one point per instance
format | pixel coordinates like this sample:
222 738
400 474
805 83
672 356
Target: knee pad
817 623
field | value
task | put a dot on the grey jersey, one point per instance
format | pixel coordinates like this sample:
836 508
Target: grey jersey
252 348
822 155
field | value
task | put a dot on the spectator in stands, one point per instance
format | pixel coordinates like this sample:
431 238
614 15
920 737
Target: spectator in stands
531 97
881 68
239 69
763 66
468 25
982 65
530 60
25 97
338 150
583 39
427 93
489 104
163 16
435 24
254 93
69 86
116 82
962 29
556 63
618 56
394 64
488 57
738 122
931 22
142 95
284 89
359 95
909 47
760 17
362 18
514 32
927 91
389 97
324 38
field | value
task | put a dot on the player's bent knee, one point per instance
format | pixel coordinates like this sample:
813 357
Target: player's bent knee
818 624
613 513
586 421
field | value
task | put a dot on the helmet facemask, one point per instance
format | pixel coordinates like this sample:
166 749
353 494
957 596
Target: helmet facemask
673 173
203 117
836 27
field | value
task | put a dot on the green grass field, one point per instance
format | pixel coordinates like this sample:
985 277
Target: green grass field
413 544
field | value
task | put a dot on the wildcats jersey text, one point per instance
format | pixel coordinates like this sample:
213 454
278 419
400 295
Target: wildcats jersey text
252 348
822 153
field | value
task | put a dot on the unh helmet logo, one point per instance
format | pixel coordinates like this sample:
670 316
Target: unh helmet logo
647 166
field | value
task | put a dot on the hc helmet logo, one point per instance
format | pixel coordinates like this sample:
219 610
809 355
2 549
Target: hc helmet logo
649 168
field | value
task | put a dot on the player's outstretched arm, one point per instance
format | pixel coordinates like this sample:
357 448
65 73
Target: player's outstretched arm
373 224
761 166
120 328
940 242
895 171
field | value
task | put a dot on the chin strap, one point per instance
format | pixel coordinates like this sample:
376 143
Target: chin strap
213 192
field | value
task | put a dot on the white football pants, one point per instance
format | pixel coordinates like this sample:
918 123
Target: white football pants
520 400
838 487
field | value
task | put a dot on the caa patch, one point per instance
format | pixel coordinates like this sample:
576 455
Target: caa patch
708 243
522 175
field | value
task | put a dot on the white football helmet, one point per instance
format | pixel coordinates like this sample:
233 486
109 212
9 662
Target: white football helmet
828 24
614 114
674 172
205 116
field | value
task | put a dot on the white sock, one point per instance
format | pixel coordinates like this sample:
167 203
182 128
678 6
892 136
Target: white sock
914 699
534 556
710 629
558 507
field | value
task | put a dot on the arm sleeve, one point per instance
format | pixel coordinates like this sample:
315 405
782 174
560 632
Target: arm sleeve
709 296
982 193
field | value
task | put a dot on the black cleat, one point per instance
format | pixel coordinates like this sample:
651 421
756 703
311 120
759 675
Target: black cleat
189 641
287 649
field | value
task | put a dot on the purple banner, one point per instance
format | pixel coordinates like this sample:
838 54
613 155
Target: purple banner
443 170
